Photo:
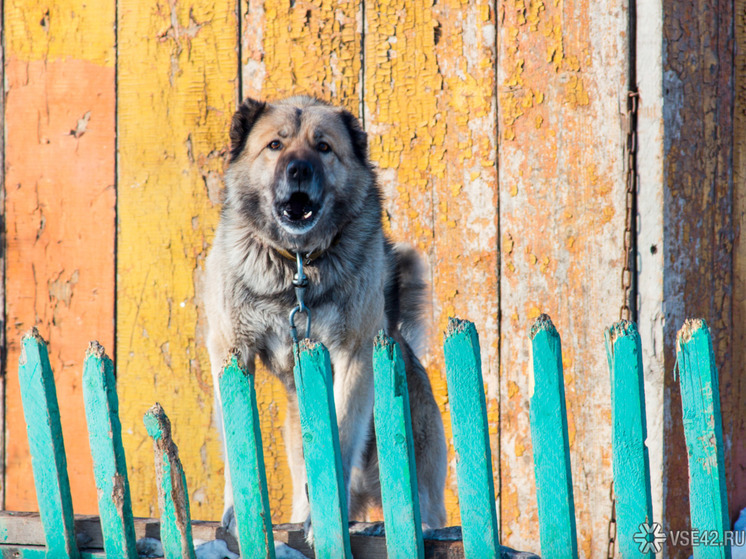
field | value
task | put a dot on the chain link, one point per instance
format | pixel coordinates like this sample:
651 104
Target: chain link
300 282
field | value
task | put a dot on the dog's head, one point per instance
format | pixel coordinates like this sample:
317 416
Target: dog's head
298 171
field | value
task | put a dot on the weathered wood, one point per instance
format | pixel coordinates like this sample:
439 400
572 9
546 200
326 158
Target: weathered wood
700 403
554 491
628 435
318 420
471 439
398 473
561 84
60 202
243 441
173 499
47 447
171 147
109 464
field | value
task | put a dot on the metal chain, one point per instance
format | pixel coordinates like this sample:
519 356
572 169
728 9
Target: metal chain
625 312
300 281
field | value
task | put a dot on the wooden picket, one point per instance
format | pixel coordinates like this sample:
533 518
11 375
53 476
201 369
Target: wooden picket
551 444
471 440
628 434
246 460
109 464
318 421
48 460
700 402
117 529
173 498
401 504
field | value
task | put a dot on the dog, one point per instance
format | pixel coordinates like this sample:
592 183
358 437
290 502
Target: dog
299 180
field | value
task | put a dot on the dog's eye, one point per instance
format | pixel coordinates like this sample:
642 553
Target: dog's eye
323 147
274 145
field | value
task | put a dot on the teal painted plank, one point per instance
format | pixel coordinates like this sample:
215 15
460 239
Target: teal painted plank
551 444
476 492
42 415
109 465
398 473
703 429
173 499
318 420
634 505
243 441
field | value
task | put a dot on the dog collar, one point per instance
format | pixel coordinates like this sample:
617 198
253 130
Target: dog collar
311 256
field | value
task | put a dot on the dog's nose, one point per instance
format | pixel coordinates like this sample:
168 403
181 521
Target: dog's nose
299 170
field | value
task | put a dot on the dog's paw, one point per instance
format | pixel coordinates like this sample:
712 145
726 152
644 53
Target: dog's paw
229 521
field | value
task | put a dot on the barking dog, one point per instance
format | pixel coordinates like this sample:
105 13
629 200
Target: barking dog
299 181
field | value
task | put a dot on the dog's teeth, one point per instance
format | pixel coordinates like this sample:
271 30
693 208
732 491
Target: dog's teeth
307 214
286 213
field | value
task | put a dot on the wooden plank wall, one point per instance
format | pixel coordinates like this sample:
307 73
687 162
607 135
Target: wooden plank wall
113 182
59 212
561 73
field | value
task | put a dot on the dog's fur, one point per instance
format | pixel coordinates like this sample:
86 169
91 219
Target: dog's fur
290 160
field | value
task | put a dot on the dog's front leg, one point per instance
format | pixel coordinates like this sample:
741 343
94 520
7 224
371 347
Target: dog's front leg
353 400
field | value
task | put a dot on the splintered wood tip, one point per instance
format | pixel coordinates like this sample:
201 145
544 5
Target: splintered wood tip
691 326
307 344
233 353
543 323
95 349
33 334
456 326
620 329
382 340
157 423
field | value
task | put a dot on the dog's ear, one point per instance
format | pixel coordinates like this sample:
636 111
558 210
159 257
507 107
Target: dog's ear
358 136
243 121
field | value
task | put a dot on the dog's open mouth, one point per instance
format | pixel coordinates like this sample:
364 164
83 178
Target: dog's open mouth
298 210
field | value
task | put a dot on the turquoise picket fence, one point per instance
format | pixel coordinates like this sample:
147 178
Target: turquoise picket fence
403 533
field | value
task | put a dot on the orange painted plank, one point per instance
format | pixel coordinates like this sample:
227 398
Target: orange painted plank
311 47
60 208
561 79
430 115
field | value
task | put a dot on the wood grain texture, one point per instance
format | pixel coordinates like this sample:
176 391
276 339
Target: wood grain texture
308 47
59 211
562 70
471 439
394 446
243 440
551 447
703 429
47 447
631 464
429 109
698 192
177 89
109 463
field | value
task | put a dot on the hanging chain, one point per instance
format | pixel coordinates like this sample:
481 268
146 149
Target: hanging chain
300 281
625 313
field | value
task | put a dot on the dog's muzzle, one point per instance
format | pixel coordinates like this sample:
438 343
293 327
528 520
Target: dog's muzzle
299 209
